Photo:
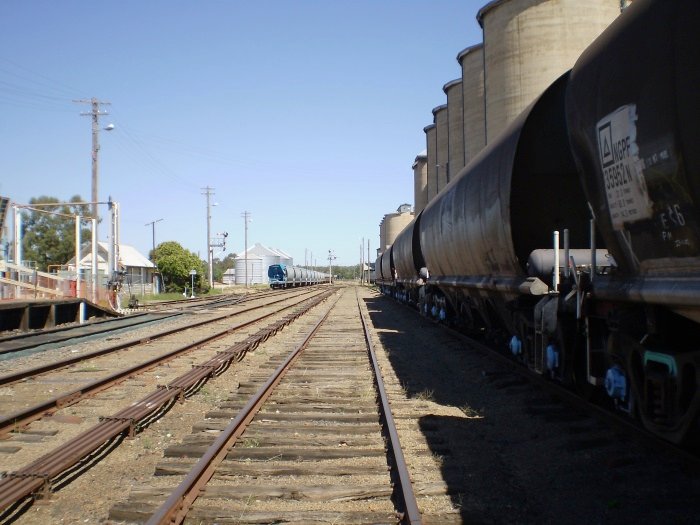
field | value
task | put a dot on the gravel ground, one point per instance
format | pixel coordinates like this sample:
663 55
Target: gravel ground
89 497
507 452
516 455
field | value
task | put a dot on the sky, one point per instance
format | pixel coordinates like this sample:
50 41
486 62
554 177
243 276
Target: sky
308 114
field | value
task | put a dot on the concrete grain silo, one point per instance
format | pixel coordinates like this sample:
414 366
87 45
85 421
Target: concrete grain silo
420 181
392 224
471 61
431 156
530 43
441 145
455 128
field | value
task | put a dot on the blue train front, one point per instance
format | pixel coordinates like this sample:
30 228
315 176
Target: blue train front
285 276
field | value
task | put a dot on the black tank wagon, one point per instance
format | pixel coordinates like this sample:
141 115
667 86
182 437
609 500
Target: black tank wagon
573 239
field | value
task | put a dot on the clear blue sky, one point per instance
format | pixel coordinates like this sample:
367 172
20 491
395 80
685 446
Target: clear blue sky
306 113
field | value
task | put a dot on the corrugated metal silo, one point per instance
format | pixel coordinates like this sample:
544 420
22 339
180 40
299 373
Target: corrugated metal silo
441 145
254 272
528 44
267 257
471 60
455 128
267 261
420 182
285 258
431 148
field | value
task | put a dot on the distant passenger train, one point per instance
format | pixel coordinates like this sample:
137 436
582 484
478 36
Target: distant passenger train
283 276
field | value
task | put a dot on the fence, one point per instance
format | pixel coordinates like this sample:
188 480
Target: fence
21 283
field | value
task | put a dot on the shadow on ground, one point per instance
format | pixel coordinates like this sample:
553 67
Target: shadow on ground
432 365
510 452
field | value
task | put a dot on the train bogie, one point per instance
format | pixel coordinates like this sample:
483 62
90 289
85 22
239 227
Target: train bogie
634 132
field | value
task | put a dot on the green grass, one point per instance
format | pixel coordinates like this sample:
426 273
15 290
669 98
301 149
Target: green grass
151 298
175 296
90 368
472 413
425 395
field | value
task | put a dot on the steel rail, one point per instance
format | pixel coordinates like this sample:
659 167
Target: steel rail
35 479
201 303
66 328
62 332
631 428
178 504
411 514
197 301
23 417
23 374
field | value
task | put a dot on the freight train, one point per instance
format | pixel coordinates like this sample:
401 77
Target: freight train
285 276
572 241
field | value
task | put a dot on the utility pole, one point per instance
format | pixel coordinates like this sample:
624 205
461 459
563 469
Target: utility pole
95 113
209 192
362 262
153 224
246 219
217 242
331 258
113 252
368 270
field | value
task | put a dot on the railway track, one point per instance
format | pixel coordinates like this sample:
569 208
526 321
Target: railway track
311 438
203 302
688 452
529 451
78 447
27 341
481 444
12 344
341 461
105 367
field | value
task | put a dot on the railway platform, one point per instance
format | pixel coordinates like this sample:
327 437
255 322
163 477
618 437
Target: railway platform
39 314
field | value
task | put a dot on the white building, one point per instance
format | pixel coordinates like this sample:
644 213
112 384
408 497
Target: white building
229 276
141 274
259 259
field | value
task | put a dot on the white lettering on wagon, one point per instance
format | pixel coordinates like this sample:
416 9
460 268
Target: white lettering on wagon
623 171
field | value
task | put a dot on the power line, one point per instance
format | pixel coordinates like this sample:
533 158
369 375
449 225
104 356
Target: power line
68 91
135 144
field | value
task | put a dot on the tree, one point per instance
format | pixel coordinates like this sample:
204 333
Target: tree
221 265
175 264
48 232
346 272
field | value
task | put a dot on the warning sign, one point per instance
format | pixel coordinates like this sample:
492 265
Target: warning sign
623 173
605 141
